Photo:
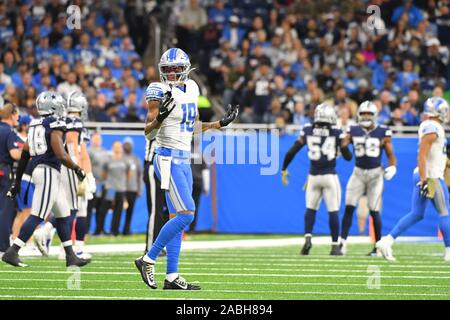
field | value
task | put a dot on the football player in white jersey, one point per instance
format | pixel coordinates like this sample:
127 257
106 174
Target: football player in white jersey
429 185
172 105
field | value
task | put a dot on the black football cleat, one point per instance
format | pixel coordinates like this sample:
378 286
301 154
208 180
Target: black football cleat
373 253
179 284
74 261
336 250
11 257
306 247
147 271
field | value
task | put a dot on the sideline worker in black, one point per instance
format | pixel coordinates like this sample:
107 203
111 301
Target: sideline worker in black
10 151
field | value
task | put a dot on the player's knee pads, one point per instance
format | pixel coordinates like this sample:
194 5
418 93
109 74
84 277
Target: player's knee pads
185 218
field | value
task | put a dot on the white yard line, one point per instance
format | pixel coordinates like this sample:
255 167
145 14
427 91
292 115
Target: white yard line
328 284
250 291
220 244
227 274
352 270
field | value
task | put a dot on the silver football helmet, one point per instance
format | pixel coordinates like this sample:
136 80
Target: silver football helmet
325 113
436 107
77 102
367 114
50 103
174 67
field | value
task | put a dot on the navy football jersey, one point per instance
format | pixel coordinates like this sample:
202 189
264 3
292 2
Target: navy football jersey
74 123
323 145
368 145
39 141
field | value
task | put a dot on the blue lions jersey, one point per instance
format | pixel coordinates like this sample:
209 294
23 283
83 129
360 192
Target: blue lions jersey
39 141
323 145
367 145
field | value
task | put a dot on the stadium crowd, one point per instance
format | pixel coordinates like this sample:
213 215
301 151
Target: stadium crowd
279 59
40 51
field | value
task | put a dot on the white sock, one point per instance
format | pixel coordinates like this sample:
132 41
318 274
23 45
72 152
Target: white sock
171 276
343 241
447 251
148 260
390 239
308 235
79 245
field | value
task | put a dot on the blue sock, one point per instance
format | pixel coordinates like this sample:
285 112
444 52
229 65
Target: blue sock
173 253
347 221
418 207
168 232
28 228
334 225
64 229
405 223
444 225
52 220
376 224
310 218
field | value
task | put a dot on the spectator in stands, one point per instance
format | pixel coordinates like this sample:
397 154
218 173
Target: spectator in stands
396 119
381 72
69 85
385 106
406 77
412 12
410 115
364 93
299 117
191 20
345 121
232 32
261 86
274 112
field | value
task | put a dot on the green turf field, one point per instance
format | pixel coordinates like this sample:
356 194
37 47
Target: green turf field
246 273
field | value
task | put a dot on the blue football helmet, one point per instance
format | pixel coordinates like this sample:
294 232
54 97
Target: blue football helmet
436 107
174 67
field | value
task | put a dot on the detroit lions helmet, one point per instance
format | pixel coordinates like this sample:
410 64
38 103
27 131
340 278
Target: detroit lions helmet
174 67
50 103
77 102
325 113
436 107
367 114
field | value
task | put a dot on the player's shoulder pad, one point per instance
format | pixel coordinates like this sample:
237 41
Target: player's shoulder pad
192 86
56 123
428 127
155 91
386 130
305 129
74 124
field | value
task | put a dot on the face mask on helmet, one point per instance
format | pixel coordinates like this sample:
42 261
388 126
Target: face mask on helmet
174 74
366 119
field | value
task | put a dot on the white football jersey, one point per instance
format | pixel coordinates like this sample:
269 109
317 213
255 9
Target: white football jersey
437 157
177 129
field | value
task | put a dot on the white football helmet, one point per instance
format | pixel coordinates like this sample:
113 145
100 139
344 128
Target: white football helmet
325 113
77 102
369 117
436 107
50 103
174 67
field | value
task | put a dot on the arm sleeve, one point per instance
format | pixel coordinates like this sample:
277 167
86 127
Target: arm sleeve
154 92
291 153
24 158
346 153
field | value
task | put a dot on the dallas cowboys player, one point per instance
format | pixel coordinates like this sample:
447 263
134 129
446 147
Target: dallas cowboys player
76 110
368 141
428 177
172 105
324 140
45 145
